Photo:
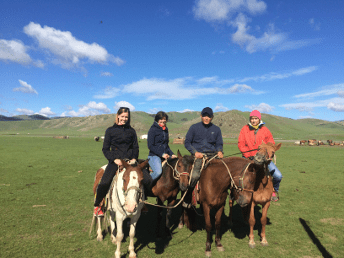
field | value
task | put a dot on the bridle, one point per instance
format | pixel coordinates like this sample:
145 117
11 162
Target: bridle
176 173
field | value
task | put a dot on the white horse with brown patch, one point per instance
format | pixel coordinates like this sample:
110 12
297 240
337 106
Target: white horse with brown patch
125 200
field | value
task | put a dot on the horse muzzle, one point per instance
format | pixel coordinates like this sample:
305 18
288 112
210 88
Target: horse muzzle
259 159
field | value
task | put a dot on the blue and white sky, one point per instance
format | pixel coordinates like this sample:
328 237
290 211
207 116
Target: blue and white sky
81 58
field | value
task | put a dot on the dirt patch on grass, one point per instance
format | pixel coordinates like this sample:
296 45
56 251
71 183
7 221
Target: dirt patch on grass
333 238
333 221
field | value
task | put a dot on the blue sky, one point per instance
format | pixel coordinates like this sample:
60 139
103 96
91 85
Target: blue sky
81 58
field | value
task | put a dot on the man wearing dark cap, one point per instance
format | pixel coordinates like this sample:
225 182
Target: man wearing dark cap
203 140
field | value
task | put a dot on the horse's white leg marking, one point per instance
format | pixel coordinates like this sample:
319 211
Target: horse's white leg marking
112 226
99 231
132 235
119 237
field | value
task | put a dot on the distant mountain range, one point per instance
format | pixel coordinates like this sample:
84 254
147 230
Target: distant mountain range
178 124
25 117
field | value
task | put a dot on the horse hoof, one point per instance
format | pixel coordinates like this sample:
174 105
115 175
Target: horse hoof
264 242
207 253
252 245
180 225
99 239
220 248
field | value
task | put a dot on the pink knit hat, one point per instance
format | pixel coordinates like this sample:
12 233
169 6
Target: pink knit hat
256 113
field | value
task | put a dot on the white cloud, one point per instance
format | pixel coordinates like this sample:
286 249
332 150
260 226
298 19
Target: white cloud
326 91
123 104
3 110
341 93
262 107
278 76
153 110
108 93
25 88
309 106
336 107
220 107
25 111
46 112
91 109
180 88
186 110
314 25
68 50
14 51
222 10
106 74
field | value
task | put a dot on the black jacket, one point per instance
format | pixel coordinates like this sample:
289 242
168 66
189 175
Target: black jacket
120 142
158 141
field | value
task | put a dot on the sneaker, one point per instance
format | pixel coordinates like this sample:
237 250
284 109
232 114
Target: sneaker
274 196
98 212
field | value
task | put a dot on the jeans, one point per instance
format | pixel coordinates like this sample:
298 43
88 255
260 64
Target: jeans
155 163
276 174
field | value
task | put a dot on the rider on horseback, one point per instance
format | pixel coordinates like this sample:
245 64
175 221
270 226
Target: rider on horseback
251 136
203 140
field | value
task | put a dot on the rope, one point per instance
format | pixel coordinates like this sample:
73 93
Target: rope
167 207
240 153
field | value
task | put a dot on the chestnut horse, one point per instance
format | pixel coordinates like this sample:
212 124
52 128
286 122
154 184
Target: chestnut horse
263 190
174 177
221 175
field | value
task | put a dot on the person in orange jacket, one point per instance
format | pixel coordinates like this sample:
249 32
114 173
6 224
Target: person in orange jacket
251 136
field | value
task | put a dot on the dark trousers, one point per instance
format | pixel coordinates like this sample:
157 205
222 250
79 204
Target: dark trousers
196 173
105 182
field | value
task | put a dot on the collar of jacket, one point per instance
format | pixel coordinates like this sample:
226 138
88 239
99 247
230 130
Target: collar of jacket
259 126
158 126
208 125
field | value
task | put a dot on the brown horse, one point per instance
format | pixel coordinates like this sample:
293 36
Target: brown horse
234 173
174 177
263 190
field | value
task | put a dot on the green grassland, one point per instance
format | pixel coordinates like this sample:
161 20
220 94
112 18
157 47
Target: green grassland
47 203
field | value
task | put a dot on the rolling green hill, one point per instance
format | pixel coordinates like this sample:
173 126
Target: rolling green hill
230 123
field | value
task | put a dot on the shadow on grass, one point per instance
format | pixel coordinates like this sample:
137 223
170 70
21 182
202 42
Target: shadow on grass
240 227
314 239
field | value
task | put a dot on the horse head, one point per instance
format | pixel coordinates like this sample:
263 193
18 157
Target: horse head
183 169
132 185
266 152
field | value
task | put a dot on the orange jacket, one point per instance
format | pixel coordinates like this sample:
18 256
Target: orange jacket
250 139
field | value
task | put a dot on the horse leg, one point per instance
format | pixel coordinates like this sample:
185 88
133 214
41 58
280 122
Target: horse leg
218 215
131 248
206 213
159 218
181 220
119 237
99 229
112 227
265 208
230 216
252 222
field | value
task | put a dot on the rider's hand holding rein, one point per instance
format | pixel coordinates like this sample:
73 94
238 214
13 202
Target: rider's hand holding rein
165 156
220 154
198 155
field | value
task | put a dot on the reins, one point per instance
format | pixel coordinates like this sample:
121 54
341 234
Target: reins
176 176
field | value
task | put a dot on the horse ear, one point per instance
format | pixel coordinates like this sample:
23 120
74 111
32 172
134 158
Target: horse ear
143 164
179 155
124 164
278 146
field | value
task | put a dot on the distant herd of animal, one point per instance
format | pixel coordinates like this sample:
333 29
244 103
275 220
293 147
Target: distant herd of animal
313 142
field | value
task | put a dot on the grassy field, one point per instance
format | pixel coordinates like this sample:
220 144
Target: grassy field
47 202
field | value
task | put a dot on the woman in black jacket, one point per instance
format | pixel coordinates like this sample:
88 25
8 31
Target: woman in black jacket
120 142
157 142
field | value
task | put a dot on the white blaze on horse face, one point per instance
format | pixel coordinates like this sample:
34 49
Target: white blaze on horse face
131 200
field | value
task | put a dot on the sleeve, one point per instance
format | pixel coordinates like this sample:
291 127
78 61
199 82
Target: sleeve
268 136
242 145
151 143
106 146
219 141
135 153
188 140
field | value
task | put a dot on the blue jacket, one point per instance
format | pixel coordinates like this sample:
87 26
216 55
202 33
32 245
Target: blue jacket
204 138
158 141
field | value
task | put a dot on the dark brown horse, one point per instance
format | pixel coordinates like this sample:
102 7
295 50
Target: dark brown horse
174 177
263 190
221 175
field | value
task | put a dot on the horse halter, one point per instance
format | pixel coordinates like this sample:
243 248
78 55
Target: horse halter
176 173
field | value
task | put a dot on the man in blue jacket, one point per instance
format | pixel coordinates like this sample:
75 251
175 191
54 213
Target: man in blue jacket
203 139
